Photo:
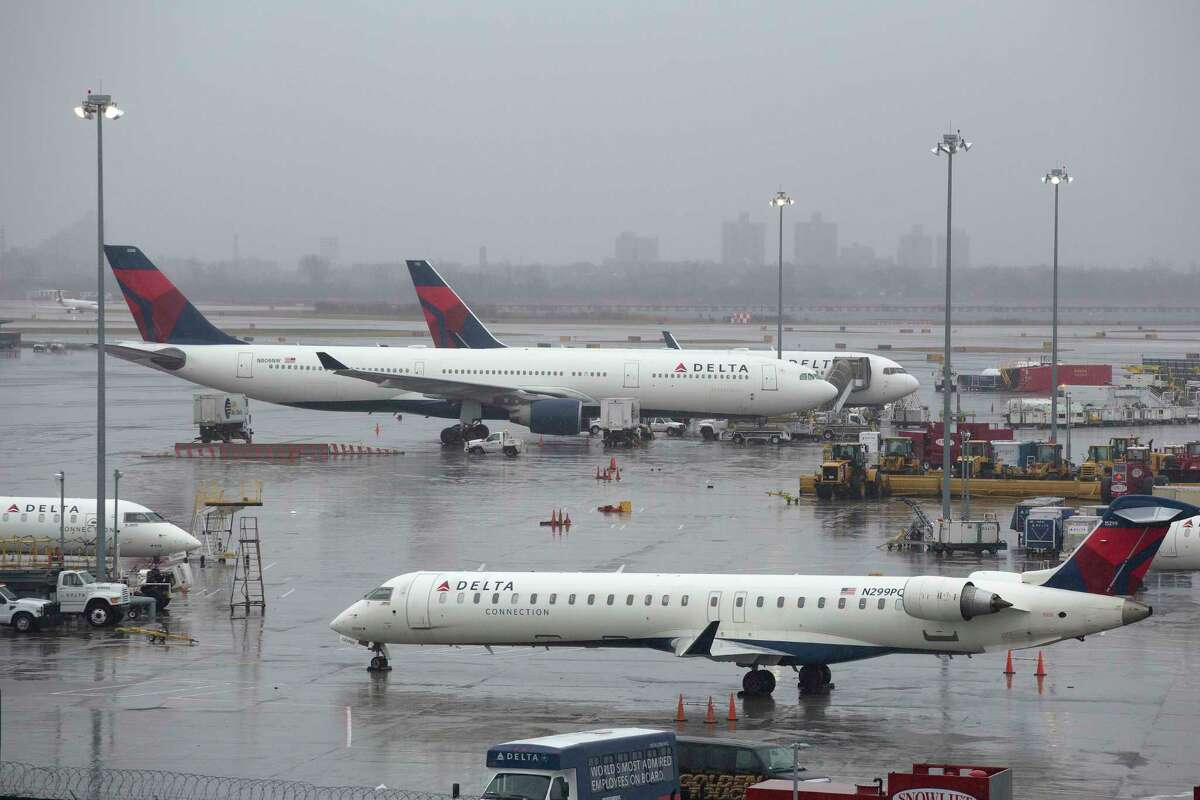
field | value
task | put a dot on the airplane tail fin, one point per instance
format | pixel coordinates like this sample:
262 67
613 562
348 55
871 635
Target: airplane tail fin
451 323
672 342
1113 559
58 297
161 311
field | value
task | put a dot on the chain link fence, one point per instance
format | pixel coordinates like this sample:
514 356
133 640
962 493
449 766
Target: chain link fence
28 781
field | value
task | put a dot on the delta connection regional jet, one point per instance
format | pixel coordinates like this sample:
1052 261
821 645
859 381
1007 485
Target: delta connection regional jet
806 622
552 391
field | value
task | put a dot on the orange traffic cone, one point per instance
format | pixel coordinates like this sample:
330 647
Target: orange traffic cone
597 473
1008 667
732 709
710 716
567 520
612 462
1040 672
679 715
618 475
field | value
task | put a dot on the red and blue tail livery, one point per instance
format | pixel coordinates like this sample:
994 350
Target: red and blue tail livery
451 323
160 310
1113 559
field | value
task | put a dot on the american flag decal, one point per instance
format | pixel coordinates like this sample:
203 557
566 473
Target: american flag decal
848 591
290 360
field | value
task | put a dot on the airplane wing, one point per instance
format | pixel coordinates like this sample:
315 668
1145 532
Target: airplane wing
451 389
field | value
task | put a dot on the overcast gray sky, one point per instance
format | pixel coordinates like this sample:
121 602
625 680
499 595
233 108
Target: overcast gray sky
542 129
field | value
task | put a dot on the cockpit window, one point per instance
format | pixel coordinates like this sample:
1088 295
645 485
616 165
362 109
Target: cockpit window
895 371
382 593
142 516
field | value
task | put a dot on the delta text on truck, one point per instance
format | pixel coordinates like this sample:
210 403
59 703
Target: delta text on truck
611 764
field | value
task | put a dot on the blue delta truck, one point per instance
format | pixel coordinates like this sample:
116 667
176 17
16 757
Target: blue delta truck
611 764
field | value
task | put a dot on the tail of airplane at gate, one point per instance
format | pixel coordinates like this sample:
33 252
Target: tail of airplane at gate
451 323
160 310
1113 559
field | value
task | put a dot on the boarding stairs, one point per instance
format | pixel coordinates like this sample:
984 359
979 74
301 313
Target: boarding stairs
248 589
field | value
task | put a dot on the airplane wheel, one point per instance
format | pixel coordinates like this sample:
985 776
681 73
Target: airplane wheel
479 431
758 682
452 435
378 664
815 679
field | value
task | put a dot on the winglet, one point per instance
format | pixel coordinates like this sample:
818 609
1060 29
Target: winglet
329 362
701 645
672 342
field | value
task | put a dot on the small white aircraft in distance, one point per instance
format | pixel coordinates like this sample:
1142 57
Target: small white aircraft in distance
74 306
141 533
806 622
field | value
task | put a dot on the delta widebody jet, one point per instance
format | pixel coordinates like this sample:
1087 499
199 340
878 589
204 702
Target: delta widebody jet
866 379
550 391
140 532
806 622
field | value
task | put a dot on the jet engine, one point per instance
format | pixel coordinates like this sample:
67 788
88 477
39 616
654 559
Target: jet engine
556 416
942 599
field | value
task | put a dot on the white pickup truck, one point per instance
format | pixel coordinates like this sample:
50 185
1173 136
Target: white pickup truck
498 442
74 591
23 614
665 425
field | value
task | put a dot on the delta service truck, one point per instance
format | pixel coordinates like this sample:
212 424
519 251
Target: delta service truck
612 764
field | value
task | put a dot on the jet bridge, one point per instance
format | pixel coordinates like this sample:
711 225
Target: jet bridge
848 375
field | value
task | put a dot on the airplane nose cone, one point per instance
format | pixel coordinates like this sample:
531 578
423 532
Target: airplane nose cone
826 391
183 542
911 384
343 622
1132 612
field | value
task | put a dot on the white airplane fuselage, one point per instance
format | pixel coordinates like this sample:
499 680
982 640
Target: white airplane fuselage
888 381
691 382
1180 550
762 619
141 533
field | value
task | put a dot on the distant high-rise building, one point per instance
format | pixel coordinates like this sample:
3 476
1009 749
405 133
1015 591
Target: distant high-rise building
962 249
329 249
857 255
743 243
816 242
629 248
483 255
915 249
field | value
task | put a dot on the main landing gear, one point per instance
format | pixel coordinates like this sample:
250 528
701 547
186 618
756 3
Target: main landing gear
379 663
758 682
814 679
457 434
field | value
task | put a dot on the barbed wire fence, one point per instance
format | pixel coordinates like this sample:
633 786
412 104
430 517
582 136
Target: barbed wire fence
18 780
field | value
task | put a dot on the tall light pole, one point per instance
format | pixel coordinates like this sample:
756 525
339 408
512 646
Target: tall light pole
1055 178
116 557
99 107
950 144
61 477
780 200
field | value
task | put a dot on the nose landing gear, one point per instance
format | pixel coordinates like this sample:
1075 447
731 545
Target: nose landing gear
379 663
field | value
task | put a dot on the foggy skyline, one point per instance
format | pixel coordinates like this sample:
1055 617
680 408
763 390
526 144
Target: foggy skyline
543 131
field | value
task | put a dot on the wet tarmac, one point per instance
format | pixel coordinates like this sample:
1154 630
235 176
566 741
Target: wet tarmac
282 696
